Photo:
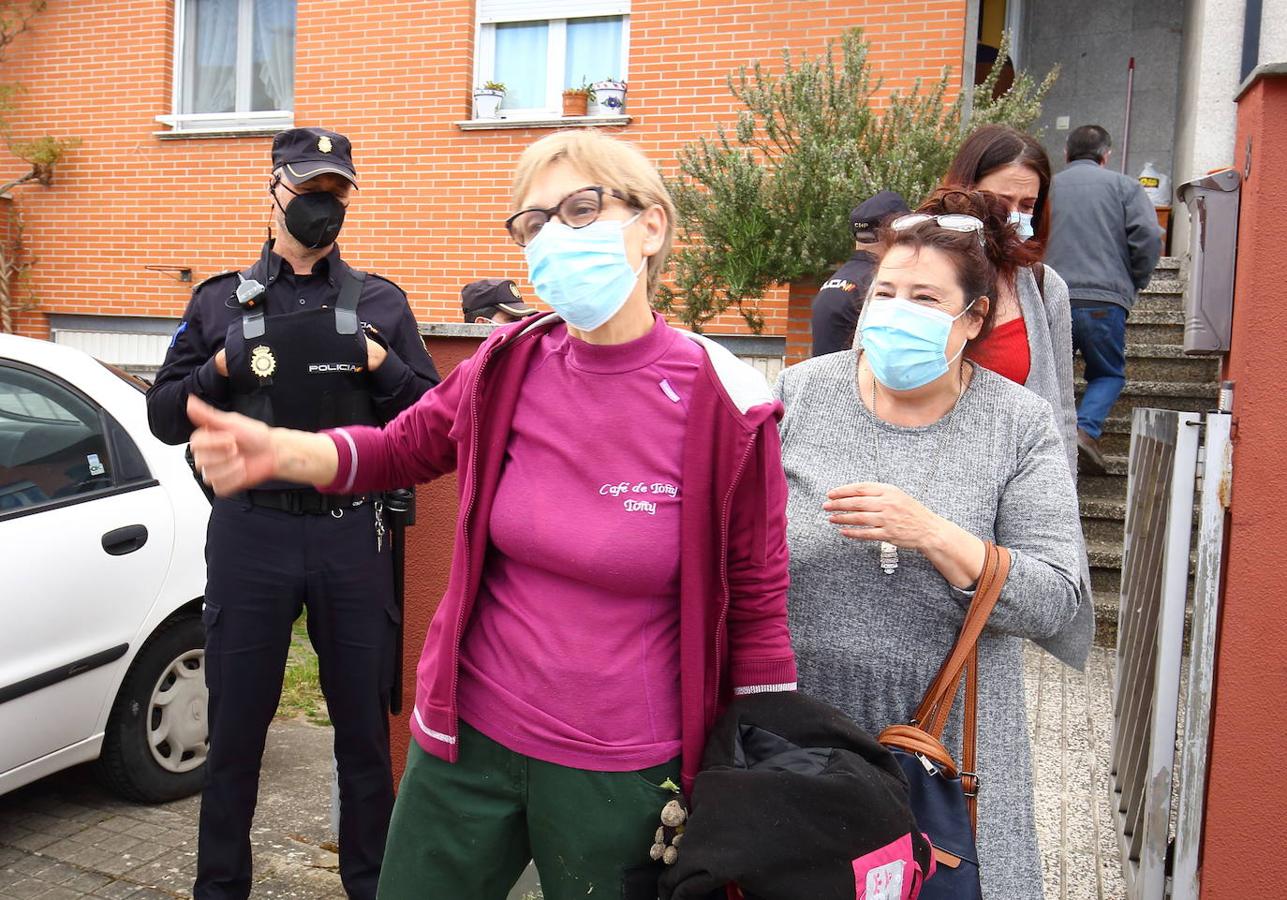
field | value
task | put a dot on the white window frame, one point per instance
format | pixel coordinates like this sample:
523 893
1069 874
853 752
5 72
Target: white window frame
556 15
243 120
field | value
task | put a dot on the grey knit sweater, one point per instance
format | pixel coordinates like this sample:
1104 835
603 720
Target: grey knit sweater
1048 322
870 643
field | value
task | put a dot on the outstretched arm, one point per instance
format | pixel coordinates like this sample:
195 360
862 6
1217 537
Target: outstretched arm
234 452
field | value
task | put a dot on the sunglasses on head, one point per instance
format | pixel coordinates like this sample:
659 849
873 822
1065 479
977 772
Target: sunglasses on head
949 222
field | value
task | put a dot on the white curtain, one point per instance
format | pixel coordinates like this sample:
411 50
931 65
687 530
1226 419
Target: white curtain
521 52
274 75
593 50
210 56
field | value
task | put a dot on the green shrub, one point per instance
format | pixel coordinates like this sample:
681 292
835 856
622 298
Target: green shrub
770 204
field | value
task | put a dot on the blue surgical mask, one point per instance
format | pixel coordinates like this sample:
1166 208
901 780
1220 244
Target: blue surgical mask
906 343
583 273
1023 224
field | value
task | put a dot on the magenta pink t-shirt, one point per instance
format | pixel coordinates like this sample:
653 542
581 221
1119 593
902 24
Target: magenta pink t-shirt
572 653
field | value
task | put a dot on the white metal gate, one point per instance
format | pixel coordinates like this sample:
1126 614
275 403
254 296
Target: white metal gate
1146 777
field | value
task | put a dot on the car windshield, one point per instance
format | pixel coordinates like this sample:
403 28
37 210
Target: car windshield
133 381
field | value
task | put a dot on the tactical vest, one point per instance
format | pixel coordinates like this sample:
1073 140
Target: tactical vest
307 369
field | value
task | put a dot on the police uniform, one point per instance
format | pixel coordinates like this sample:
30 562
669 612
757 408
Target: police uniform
296 356
839 301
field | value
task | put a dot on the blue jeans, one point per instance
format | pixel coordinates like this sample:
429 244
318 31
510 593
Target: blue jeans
1099 334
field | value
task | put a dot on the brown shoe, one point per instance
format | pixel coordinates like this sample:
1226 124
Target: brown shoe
1090 460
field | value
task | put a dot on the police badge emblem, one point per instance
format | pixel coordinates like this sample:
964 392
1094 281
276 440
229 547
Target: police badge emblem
324 144
262 362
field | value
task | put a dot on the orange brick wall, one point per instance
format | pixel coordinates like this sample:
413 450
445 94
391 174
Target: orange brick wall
394 75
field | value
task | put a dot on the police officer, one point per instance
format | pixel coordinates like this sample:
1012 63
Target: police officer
493 301
298 339
836 307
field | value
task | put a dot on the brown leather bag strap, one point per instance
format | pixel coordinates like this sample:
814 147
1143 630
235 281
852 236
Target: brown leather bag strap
937 703
969 738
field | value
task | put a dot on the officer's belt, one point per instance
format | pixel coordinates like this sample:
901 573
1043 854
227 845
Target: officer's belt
302 503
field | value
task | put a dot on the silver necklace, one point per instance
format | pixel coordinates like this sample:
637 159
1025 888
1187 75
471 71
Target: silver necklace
889 551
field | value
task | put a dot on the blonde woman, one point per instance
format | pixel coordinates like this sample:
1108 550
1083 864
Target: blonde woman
620 567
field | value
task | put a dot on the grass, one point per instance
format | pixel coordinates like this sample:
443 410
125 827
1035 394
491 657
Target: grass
301 687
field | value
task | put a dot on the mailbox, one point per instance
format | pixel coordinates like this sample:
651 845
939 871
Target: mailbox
1213 251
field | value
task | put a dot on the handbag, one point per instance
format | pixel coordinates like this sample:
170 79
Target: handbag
943 794
796 802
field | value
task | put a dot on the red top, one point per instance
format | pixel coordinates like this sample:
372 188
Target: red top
1004 351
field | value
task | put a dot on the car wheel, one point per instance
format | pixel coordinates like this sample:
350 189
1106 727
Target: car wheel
157 736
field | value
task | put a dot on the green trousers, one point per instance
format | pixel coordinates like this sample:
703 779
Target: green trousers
466 830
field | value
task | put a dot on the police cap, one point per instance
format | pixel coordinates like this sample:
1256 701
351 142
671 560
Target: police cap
484 297
304 153
867 216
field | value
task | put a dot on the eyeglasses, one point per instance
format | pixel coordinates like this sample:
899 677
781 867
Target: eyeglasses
951 222
577 210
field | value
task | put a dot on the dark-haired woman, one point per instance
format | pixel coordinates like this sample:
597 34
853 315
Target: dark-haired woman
902 458
1030 338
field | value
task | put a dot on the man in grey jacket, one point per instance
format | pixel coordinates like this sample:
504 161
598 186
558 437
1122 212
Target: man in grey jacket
1105 242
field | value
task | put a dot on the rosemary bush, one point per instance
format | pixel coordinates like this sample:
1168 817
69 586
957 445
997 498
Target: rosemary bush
770 203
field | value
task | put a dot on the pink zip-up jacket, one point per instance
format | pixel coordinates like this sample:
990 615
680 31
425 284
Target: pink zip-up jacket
733 566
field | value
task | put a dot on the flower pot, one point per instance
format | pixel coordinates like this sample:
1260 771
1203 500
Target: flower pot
487 103
610 98
575 103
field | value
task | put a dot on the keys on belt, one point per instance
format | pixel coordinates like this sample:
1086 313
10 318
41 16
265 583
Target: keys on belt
302 503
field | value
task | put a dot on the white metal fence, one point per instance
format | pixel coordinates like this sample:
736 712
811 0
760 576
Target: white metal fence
1157 797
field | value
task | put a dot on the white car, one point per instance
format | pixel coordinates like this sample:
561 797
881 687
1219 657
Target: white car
102 570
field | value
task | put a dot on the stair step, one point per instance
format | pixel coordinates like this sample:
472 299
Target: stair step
1106 584
1107 556
1115 442
1145 350
1116 436
1154 333
1179 389
1102 508
1107 530
1163 362
1163 284
1163 299
1156 314
1105 487
1186 396
1104 554
1118 464
1103 519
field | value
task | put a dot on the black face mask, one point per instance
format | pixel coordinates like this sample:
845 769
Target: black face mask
314 219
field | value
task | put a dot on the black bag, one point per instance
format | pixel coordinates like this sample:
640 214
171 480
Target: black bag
943 794
796 802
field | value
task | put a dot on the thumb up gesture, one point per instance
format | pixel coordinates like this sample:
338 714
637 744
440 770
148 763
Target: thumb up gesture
232 452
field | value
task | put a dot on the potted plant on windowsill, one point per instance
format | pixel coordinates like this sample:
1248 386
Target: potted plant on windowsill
487 100
610 97
576 101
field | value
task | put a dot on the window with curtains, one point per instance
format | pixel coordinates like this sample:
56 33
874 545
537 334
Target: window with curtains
234 65
537 48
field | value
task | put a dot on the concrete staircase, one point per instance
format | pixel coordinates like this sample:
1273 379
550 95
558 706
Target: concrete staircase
1159 375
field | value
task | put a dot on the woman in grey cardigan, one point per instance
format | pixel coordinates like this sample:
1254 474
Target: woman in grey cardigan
900 463
1031 338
